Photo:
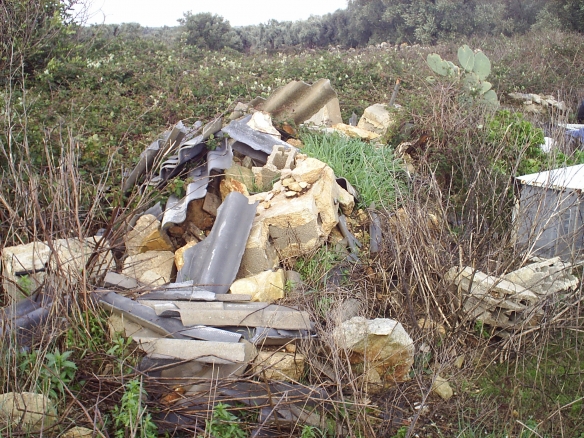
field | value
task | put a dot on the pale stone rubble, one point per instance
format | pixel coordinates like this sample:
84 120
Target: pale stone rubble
515 300
299 203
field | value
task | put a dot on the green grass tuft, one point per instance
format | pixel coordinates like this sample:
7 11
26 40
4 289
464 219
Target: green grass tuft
373 171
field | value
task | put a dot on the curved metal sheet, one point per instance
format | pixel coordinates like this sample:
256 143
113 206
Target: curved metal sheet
176 210
214 262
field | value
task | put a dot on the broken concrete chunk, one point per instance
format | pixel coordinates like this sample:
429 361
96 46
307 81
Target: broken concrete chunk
260 254
228 186
545 277
262 121
246 315
354 131
379 344
441 387
516 299
151 268
120 281
179 254
264 177
211 203
308 170
267 286
346 201
201 351
27 410
146 237
376 118
24 265
278 365
241 174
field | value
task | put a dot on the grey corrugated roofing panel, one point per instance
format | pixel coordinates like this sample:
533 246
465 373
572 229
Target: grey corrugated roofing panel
564 178
176 210
141 314
213 263
298 101
187 151
260 141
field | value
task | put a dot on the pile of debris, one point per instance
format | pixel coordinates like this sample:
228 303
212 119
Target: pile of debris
200 277
516 300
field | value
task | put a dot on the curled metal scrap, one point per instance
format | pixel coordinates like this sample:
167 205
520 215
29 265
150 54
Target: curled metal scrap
176 210
187 151
214 262
156 149
281 396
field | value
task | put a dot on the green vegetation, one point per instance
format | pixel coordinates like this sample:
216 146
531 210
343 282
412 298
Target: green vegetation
373 171
79 105
56 373
475 69
224 424
131 417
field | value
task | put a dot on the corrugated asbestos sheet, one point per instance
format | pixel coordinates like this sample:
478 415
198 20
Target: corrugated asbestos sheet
297 101
213 263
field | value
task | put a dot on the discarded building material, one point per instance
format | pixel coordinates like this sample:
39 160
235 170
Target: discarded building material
152 268
146 236
214 262
377 118
159 147
380 346
265 287
202 351
549 219
277 365
141 314
29 411
297 101
187 151
240 131
240 314
535 103
285 402
515 300
24 266
120 281
176 209
186 291
20 319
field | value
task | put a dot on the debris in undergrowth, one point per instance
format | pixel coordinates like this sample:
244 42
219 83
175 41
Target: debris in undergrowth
548 216
441 387
28 410
24 267
535 103
201 275
380 348
513 301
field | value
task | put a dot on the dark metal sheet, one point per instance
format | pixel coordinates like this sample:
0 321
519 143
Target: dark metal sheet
214 262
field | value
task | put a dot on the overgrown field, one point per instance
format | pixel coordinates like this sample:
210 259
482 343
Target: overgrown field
71 131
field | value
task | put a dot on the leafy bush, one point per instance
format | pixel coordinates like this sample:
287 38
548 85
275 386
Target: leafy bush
520 143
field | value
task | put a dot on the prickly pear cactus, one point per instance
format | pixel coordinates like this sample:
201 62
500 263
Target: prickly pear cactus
475 69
